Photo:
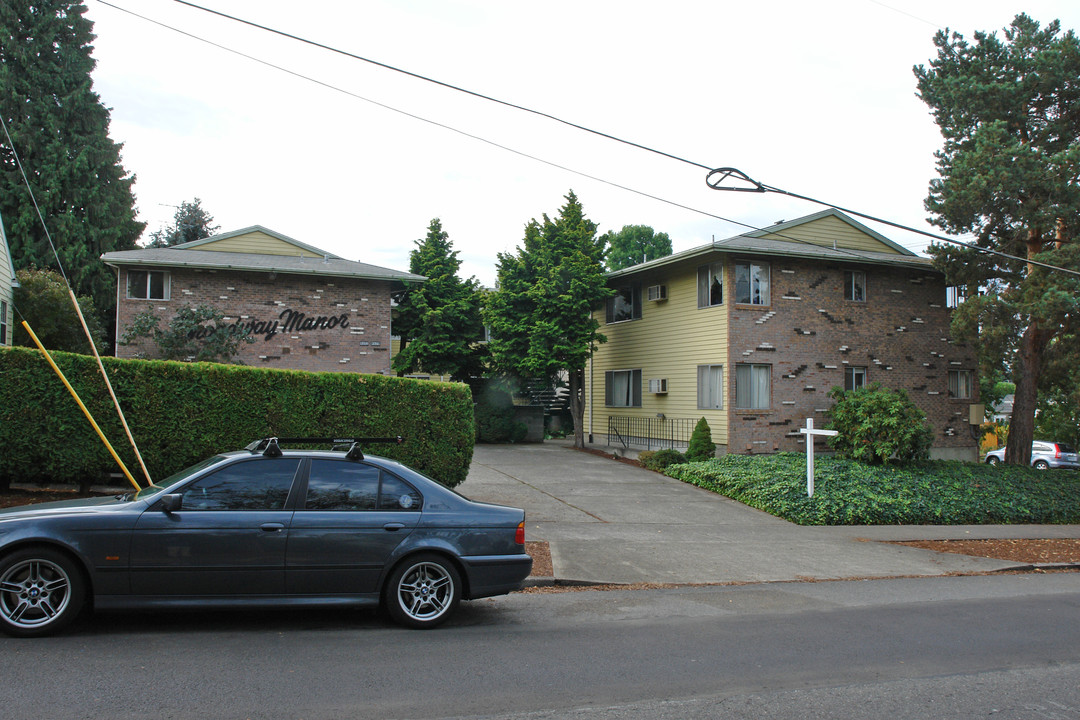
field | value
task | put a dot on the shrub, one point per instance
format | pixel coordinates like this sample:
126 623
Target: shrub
879 425
659 460
701 445
495 416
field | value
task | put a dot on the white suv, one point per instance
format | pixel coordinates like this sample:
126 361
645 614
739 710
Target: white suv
1044 455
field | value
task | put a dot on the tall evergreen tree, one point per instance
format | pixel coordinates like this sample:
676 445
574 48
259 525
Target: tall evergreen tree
59 128
190 222
439 321
541 314
1010 115
635 244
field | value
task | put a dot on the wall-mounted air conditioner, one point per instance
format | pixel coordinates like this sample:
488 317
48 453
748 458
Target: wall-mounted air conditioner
657 292
658 385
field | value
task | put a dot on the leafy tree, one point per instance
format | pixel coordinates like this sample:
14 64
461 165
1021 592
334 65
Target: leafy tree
44 302
635 244
1008 174
198 334
878 425
439 321
701 445
60 129
541 314
190 222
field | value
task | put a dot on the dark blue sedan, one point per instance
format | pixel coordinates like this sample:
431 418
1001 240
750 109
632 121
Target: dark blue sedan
262 527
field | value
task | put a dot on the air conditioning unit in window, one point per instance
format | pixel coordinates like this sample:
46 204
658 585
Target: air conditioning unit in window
658 385
657 292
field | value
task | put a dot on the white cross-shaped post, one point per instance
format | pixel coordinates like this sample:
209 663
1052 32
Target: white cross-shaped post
810 433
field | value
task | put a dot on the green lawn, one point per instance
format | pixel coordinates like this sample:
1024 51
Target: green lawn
851 493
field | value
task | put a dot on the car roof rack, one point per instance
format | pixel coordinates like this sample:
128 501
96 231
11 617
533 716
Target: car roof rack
271 446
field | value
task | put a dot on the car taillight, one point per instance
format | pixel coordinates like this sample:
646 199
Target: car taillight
519 535
1057 451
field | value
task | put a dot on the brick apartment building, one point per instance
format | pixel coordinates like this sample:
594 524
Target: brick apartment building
752 332
307 309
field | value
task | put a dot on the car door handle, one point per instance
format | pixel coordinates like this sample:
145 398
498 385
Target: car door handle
393 526
272 527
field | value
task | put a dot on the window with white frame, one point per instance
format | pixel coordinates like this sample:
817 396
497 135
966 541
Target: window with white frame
855 285
622 388
148 284
961 384
954 295
3 324
854 378
710 285
752 283
710 387
625 304
753 386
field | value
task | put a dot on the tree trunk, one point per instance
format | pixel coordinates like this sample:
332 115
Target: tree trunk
577 405
1029 359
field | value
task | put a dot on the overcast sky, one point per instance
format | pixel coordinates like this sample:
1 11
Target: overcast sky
817 98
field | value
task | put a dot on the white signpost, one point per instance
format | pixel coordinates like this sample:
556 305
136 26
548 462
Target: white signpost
810 433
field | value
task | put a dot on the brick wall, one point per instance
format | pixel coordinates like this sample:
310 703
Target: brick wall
810 333
345 323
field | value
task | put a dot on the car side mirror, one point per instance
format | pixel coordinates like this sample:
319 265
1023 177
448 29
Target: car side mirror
171 503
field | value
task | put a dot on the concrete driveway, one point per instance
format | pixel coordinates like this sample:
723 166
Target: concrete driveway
609 522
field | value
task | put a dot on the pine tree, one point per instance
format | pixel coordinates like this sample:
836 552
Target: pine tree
439 321
190 223
59 128
701 445
541 315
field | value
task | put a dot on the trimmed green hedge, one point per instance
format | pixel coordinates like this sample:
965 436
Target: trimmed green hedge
181 413
848 492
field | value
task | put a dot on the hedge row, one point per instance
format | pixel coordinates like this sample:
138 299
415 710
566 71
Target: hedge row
181 413
848 492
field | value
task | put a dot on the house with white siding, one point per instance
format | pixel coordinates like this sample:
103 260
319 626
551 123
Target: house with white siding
8 283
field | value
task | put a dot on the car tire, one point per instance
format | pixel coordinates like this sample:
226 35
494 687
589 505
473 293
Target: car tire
423 591
1040 465
992 460
41 592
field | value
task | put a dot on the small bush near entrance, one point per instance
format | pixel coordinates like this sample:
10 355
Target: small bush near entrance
659 459
701 445
495 416
848 492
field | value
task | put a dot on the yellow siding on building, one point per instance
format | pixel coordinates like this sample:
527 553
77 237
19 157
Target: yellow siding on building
670 340
258 243
833 232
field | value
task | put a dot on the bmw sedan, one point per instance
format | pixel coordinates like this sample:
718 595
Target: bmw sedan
262 527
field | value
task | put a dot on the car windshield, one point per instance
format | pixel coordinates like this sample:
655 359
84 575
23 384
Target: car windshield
162 485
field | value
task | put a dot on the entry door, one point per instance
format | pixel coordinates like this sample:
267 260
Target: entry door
228 537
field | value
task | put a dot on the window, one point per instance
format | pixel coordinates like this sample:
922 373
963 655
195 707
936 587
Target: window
854 378
148 284
622 388
344 485
261 484
954 295
752 386
625 304
752 283
855 285
710 387
710 285
960 384
3 324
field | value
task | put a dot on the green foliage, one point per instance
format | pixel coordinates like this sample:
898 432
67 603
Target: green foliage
439 320
701 445
879 425
848 492
659 460
60 129
190 223
634 244
541 315
198 334
1008 169
45 303
181 413
495 416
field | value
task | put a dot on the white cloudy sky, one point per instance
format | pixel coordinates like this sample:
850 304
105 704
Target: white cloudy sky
814 97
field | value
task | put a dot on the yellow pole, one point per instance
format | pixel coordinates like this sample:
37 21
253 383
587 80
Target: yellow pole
81 406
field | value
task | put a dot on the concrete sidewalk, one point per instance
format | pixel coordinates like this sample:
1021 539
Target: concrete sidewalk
609 522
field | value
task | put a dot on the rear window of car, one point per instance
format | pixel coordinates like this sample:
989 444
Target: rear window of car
1065 448
347 485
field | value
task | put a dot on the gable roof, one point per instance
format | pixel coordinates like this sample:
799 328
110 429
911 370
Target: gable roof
276 253
852 242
